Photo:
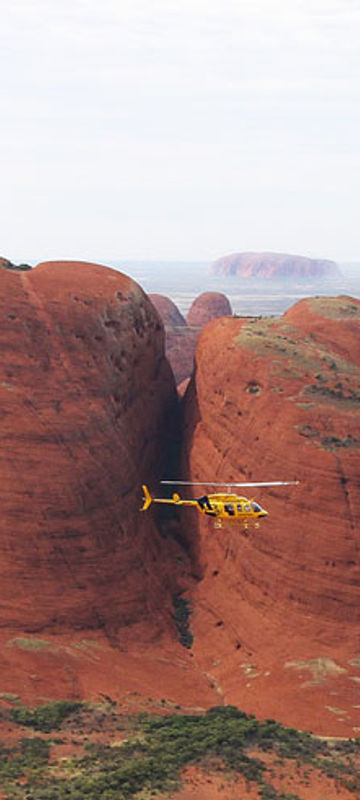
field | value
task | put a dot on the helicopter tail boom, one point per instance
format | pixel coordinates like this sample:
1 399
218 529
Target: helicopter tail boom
175 500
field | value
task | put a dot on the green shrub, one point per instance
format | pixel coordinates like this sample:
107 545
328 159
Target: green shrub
44 718
154 761
35 751
29 754
182 613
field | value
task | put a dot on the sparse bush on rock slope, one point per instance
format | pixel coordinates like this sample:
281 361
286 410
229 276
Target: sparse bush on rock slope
157 750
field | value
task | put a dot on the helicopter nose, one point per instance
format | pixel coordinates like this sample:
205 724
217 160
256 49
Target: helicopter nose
263 513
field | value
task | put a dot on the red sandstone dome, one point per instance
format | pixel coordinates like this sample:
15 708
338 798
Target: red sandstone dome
180 341
86 406
181 337
274 265
276 613
87 413
180 351
206 307
167 310
84 392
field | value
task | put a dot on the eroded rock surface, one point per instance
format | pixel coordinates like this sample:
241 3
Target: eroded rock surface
279 399
87 405
274 265
87 582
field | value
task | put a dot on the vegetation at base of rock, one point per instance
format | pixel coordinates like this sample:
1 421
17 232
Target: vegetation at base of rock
182 613
44 718
157 750
32 753
268 792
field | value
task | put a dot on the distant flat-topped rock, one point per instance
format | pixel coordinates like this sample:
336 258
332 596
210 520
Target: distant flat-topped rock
274 265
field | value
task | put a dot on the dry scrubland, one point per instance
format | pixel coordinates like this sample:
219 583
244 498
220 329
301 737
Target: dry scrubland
70 750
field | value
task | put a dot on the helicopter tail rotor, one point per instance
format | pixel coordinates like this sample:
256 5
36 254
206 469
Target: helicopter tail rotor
147 498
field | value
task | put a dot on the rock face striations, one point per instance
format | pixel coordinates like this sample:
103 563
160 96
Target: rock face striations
277 611
274 265
84 393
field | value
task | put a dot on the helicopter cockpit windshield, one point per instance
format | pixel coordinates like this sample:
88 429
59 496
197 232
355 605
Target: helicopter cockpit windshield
255 506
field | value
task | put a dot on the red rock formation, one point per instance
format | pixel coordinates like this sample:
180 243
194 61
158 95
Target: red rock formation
180 341
183 386
86 406
181 336
274 265
180 351
206 307
276 614
167 310
334 323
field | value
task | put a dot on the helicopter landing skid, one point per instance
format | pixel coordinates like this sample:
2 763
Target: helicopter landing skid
246 527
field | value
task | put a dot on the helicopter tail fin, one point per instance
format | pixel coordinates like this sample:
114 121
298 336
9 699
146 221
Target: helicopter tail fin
147 498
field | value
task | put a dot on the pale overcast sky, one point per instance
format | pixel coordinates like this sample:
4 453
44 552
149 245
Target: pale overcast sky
181 130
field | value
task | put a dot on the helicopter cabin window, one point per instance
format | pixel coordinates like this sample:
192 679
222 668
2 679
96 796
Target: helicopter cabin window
239 507
229 508
255 507
247 507
204 503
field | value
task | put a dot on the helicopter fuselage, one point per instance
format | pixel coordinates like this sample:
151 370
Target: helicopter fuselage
230 507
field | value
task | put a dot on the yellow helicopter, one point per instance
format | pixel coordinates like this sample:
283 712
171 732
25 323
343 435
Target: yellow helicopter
220 506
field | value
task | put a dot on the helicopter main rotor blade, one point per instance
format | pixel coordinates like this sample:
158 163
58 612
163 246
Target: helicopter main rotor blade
205 483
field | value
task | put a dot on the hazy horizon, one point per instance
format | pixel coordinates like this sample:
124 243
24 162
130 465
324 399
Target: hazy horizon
254 296
110 261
